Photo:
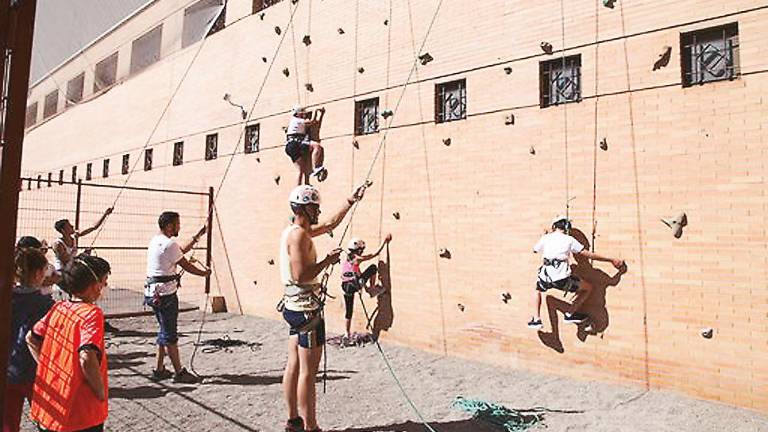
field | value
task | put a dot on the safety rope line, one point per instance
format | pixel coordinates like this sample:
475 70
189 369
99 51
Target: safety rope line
328 273
307 62
155 127
295 56
565 117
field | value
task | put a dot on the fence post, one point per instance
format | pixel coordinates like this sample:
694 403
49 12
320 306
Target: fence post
209 239
77 204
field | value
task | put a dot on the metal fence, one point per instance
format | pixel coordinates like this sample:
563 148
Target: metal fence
124 237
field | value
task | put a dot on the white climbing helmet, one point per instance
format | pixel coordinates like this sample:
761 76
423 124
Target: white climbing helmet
297 109
355 244
304 194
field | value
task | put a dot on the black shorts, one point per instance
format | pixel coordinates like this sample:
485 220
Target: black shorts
296 147
569 284
312 337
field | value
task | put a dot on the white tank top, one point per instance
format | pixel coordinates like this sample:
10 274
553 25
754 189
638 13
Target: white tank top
297 297
58 264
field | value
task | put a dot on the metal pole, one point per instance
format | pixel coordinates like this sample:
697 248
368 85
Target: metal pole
17 23
209 240
77 204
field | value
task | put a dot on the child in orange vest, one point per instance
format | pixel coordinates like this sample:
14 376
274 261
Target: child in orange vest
70 391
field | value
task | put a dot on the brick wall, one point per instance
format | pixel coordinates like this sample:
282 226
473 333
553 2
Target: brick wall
701 150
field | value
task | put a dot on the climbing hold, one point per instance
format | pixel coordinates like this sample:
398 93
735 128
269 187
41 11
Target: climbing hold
261 15
508 70
677 224
277 30
446 141
386 22
506 297
258 160
286 72
664 57
277 179
271 261
425 58
294 1
546 47
444 253
309 87
509 120
340 30
307 40
387 113
355 144
604 143
330 234
285 129
461 307
361 69
609 3
707 333
264 59
532 150
396 215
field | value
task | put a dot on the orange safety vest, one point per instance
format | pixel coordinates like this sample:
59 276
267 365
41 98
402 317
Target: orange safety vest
62 400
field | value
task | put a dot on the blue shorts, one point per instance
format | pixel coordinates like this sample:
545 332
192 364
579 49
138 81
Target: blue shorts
312 337
167 314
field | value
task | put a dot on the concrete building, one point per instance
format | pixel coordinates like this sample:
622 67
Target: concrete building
627 112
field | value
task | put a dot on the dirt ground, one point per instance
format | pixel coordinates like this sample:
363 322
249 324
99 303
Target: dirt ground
242 392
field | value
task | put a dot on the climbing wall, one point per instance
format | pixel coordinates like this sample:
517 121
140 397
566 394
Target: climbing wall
466 200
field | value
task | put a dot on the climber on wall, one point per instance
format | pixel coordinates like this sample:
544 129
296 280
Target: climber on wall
556 249
303 143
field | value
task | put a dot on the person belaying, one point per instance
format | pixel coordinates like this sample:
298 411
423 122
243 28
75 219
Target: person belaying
302 304
556 249
353 280
303 144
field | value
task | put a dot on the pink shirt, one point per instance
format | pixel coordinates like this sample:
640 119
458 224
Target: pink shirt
350 270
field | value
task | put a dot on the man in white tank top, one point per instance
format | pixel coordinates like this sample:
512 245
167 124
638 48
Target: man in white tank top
299 271
65 247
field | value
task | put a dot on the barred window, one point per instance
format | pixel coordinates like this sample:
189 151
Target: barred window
148 159
88 171
51 104
211 146
560 81
126 163
61 176
75 90
105 169
367 116
252 133
105 73
74 174
451 101
178 153
31 117
710 54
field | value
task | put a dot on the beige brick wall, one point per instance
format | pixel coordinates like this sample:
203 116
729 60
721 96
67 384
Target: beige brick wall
702 150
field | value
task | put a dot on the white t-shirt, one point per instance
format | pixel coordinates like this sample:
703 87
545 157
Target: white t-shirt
58 263
163 254
50 270
556 246
297 126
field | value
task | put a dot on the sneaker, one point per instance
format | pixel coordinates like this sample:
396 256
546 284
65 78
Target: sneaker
161 375
185 377
576 317
535 324
109 328
294 425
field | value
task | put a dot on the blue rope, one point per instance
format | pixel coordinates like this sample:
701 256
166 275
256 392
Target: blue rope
508 419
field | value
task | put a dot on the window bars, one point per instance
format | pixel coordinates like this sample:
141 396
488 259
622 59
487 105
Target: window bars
710 54
252 133
560 81
211 146
451 101
367 116
126 164
178 153
148 159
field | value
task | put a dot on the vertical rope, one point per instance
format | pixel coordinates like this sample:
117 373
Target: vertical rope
565 116
295 56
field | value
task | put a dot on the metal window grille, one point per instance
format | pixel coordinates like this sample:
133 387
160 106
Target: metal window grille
710 54
31 117
148 159
75 88
252 133
367 116
51 104
211 146
126 163
105 169
105 73
560 81
74 174
451 101
178 153
88 171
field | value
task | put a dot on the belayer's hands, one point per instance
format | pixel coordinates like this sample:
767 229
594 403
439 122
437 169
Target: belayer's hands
333 256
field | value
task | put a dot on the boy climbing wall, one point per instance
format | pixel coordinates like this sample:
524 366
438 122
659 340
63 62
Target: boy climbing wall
303 144
556 249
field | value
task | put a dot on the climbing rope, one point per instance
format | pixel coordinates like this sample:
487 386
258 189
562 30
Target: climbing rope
498 415
565 117
226 343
